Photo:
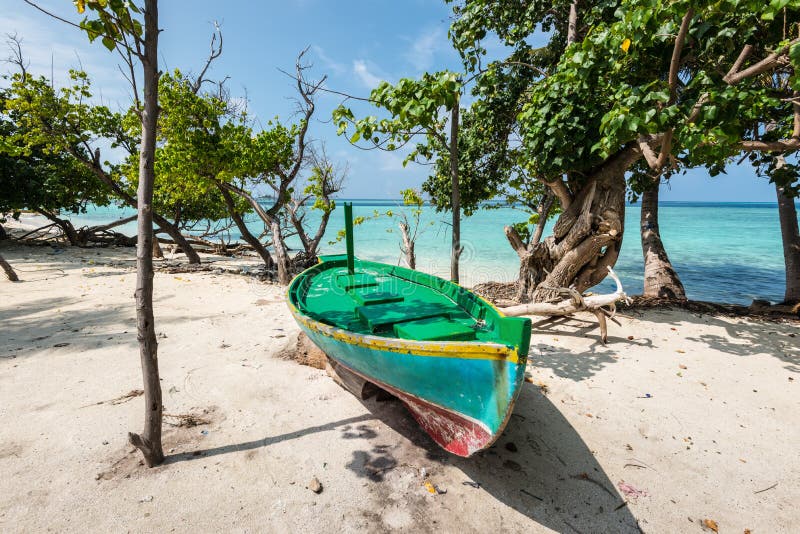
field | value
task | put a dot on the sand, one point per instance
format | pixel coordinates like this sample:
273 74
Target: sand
694 418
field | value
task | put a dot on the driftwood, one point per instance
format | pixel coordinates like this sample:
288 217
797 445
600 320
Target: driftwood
602 306
12 276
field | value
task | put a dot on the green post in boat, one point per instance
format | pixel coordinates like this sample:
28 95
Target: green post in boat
348 227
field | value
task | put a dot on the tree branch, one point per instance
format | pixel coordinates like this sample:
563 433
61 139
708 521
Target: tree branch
215 52
766 64
743 55
53 15
572 24
559 188
515 240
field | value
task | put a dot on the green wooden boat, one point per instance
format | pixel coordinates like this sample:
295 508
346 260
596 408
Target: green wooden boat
455 361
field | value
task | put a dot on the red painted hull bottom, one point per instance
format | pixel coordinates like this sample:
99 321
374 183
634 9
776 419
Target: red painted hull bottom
453 432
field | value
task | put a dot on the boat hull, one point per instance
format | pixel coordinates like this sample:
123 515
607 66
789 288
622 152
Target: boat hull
460 393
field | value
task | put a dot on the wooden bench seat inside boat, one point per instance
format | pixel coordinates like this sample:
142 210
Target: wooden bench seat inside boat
381 316
435 329
370 296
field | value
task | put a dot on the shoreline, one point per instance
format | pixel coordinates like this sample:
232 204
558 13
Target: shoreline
251 265
746 263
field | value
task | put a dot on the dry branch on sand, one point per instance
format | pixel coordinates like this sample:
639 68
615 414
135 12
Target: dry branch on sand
602 306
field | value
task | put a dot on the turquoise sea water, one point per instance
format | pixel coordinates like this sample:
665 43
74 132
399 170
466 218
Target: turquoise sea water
723 252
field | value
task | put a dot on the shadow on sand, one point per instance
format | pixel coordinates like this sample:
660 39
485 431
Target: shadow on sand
539 466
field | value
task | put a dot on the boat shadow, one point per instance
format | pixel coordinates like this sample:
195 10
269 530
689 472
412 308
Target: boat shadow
540 467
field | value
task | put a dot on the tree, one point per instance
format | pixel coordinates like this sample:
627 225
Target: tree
209 148
786 178
790 233
205 142
619 81
428 107
46 181
62 121
10 274
279 155
660 278
326 179
117 24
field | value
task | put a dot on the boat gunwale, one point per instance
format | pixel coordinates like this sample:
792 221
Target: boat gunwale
447 349
472 350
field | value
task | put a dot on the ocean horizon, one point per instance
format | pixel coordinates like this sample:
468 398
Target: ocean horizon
723 251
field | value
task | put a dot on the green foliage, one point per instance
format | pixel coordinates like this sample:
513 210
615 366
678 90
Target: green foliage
575 107
39 171
317 187
418 112
115 21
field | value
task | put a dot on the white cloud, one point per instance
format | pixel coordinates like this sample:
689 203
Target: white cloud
363 73
425 47
329 63
52 48
391 161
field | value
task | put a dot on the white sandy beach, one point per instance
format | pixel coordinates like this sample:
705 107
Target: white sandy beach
698 415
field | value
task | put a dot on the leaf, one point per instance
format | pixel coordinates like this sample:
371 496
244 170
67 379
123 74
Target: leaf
81 5
109 43
626 44
711 525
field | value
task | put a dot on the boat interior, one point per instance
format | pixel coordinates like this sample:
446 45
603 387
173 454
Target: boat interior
394 302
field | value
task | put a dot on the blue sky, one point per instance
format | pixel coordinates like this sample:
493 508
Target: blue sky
356 43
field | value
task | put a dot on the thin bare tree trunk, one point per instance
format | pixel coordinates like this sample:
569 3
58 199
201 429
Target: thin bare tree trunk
12 276
246 234
408 246
157 252
660 278
455 252
787 213
149 442
280 252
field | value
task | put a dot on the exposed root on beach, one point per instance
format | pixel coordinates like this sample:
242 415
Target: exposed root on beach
602 306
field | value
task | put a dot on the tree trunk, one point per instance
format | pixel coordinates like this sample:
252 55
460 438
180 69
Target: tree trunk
280 253
3 234
149 442
168 228
660 278
157 252
455 199
587 236
66 226
12 276
408 246
527 278
787 213
171 230
246 234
